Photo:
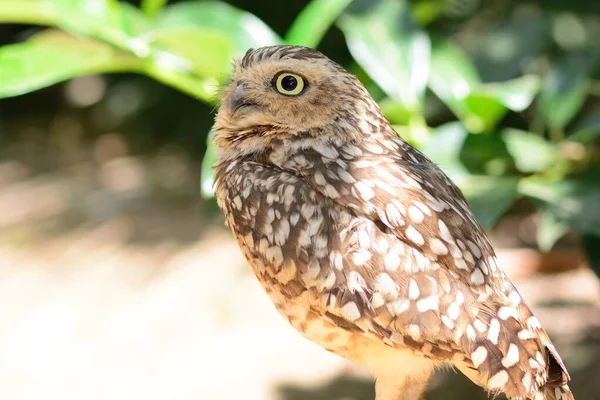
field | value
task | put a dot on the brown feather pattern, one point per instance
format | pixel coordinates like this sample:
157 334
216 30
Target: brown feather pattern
358 236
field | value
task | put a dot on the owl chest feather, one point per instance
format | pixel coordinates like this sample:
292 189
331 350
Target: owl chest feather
288 235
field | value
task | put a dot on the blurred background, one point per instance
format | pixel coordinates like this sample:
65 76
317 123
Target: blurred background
117 277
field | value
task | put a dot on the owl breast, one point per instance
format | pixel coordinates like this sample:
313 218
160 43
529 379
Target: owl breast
290 237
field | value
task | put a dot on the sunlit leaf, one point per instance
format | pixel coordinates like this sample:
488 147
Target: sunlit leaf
313 22
490 197
205 52
479 106
564 90
244 29
152 7
208 174
395 52
52 57
532 153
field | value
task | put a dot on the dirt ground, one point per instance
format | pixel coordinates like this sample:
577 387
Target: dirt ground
113 288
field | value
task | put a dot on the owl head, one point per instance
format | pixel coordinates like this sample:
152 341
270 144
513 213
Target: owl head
282 91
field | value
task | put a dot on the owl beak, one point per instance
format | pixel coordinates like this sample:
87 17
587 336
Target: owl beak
238 101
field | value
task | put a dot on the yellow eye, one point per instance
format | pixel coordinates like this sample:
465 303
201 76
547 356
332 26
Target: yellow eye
289 84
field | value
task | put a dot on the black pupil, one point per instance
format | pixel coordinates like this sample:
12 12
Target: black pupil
289 83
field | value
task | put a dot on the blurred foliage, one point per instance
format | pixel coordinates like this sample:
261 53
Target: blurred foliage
502 94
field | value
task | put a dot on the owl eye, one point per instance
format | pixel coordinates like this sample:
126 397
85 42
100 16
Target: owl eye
289 84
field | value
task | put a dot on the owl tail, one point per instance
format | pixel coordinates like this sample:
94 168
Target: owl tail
555 393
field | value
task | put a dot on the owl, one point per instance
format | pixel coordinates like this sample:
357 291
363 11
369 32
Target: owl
362 243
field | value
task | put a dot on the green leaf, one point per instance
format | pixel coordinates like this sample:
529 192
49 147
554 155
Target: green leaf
244 29
152 7
479 106
444 147
204 52
207 174
312 23
549 231
38 12
490 197
52 57
531 152
573 201
591 245
565 90
393 50
588 128
486 154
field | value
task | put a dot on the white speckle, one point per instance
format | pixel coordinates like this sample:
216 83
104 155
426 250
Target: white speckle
494 331
525 334
394 215
428 303
373 148
474 248
336 260
460 297
413 290
386 285
414 331
274 255
361 256
345 176
461 264
320 179
415 214
527 382
331 192
533 323
480 325
352 150
350 311
314 269
391 262
237 201
468 256
479 356
294 218
438 247
364 240
398 307
471 335
414 236
477 277
377 300
453 311
327 150
514 298
505 312
426 210
445 232
498 380
512 356
365 192
448 322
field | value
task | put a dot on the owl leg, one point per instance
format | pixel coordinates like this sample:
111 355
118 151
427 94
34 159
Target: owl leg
408 387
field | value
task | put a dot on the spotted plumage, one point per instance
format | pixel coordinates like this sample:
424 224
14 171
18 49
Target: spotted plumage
362 243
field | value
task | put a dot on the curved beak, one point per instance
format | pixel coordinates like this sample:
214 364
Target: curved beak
237 100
